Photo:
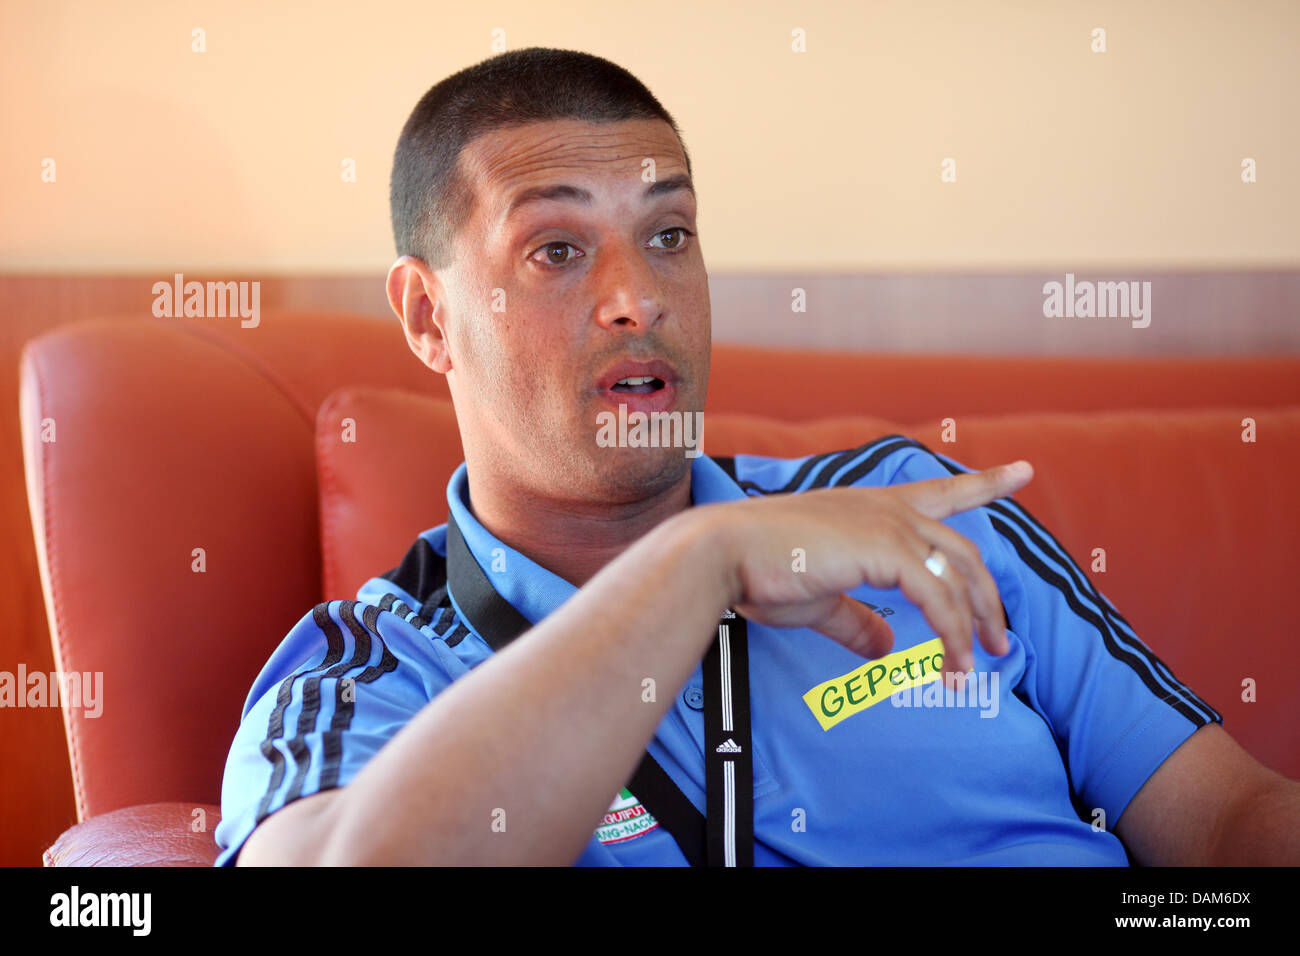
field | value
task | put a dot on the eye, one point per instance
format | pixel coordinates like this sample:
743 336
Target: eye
554 253
681 242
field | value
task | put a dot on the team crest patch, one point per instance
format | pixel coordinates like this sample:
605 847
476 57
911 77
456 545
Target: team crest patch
627 818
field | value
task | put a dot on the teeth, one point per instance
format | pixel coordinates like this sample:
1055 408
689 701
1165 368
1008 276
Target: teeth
644 380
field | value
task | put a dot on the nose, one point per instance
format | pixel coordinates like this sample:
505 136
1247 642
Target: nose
628 295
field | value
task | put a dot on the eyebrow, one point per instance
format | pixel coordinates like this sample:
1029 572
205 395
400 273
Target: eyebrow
564 192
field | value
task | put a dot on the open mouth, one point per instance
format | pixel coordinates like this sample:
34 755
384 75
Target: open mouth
642 384
638 385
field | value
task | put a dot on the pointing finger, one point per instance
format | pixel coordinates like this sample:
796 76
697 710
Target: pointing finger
941 497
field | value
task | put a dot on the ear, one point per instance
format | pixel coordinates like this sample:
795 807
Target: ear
418 298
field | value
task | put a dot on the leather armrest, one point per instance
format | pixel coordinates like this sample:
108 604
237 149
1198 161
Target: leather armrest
154 834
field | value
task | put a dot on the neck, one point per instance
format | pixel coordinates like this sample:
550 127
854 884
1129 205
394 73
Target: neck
573 540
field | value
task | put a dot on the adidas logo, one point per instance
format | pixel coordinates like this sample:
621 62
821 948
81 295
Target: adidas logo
730 747
882 611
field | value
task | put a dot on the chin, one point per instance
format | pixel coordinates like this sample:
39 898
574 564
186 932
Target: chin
630 474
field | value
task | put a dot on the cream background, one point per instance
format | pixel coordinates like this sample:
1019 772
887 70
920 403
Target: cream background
826 161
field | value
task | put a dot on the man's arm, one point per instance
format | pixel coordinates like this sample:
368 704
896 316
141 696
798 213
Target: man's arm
540 735
1212 803
536 739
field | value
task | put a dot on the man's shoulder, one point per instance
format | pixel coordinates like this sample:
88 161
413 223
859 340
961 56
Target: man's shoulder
887 460
379 636
394 620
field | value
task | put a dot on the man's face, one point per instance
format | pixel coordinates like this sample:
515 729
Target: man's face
579 257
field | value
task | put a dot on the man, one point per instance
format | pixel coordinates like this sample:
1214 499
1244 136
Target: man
568 636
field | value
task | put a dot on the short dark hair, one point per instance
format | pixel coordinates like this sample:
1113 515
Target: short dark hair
428 194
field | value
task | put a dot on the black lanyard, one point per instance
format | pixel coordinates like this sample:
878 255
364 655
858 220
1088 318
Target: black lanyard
726 838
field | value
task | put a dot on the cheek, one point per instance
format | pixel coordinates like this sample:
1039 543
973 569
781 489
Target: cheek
540 376
522 373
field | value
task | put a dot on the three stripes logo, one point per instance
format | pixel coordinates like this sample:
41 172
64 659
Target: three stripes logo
729 774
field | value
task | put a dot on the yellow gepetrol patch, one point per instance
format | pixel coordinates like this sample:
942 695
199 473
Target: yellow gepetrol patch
874 681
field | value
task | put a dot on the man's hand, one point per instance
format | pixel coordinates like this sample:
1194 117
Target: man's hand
875 536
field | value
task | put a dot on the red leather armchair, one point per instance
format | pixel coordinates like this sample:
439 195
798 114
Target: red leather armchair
172 485
172 482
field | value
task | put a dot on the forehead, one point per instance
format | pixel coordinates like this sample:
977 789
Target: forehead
504 163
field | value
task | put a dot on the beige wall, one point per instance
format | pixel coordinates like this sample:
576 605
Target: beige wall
827 160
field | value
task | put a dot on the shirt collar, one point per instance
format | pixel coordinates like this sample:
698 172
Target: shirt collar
532 590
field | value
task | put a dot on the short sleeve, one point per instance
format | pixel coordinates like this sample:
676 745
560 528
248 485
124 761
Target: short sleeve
1115 709
344 681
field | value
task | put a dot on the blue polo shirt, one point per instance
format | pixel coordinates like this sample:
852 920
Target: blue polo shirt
856 762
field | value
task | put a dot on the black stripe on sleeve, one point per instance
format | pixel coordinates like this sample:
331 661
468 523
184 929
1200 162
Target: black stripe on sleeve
880 452
275 726
729 466
804 470
312 698
1029 525
332 667
1125 647
332 739
1135 661
457 634
1137 655
836 459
